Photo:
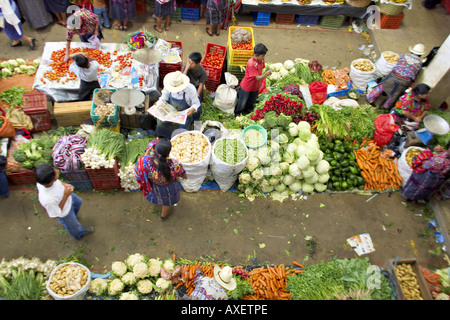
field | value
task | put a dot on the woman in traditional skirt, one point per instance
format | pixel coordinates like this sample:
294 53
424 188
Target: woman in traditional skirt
164 9
59 9
13 27
216 11
430 171
157 175
122 11
35 13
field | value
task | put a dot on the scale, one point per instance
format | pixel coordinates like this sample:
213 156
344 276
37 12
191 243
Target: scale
129 99
434 125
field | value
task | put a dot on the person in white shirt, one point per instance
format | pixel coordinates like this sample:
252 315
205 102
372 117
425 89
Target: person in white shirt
59 201
179 92
86 69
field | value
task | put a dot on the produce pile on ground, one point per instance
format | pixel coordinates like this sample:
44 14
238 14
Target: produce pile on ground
39 151
18 66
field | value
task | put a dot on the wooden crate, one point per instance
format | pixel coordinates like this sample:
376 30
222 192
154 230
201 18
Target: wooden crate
424 290
72 113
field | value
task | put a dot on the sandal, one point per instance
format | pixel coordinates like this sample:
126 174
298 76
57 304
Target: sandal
17 44
116 26
166 28
33 43
217 31
156 28
209 32
124 28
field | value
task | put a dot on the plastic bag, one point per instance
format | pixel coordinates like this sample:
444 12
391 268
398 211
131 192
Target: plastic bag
19 119
226 96
318 91
226 174
217 124
195 172
382 66
404 169
359 78
385 129
95 42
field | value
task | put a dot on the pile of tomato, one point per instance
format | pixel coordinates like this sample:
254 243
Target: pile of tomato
242 46
213 59
60 70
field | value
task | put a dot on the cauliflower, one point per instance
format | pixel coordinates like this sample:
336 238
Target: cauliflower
144 286
134 259
128 296
140 270
252 163
118 268
245 178
115 287
129 278
154 267
168 265
288 64
98 286
163 284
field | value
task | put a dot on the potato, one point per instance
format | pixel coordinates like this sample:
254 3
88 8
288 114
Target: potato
408 281
68 279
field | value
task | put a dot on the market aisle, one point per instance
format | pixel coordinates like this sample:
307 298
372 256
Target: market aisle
221 227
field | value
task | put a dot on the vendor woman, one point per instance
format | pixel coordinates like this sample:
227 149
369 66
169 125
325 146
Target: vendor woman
413 106
180 93
86 24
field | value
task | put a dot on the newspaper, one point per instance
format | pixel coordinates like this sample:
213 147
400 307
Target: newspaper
167 112
362 244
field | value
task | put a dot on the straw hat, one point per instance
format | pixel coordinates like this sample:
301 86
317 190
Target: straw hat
147 56
418 49
224 277
175 81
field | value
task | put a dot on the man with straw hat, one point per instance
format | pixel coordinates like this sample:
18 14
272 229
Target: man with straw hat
216 288
181 94
399 79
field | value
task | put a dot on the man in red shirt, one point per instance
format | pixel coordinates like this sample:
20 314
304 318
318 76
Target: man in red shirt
250 84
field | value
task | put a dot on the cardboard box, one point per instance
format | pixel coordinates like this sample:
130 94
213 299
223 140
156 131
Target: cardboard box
72 113
424 291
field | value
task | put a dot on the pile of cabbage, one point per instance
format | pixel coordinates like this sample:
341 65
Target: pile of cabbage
290 163
18 66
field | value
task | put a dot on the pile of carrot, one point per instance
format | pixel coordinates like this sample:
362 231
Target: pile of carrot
433 281
328 76
378 170
188 274
269 283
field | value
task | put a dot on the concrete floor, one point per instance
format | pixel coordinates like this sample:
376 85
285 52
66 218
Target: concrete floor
221 226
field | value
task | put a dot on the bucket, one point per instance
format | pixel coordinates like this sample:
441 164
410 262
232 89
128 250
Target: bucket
318 91
6 129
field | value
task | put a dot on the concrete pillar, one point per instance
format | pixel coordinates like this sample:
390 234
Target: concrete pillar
437 75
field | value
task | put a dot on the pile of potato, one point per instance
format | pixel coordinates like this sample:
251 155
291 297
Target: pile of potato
411 154
408 281
189 147
363 65
68 279
391 57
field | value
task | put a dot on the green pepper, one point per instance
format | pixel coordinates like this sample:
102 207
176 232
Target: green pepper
353 170
345 163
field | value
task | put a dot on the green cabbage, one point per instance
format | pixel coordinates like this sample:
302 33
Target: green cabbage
304 134
303 162
313 179
296 186
273 181
284 167
280 187
323 177
293 129
322 167
307 188
309 172
288 179
320 187
312 153
294 170
304 125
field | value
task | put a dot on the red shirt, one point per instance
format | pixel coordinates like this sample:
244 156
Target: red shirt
254 68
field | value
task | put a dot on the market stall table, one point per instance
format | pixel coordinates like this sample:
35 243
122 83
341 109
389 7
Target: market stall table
66 88
317 7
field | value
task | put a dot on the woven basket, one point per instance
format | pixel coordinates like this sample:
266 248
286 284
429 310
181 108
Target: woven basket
391 9
358 3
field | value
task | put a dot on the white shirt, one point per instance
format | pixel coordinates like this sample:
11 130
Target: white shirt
191 96
51 197
86 74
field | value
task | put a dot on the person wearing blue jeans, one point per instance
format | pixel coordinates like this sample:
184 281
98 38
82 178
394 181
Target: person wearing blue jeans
59 201
101 10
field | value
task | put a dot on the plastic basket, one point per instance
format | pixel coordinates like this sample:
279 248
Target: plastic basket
105 185
76 175
42 121
255 127
140 7
108 121
332 22
190 14
214 73
22 178
238 71
261 18
34 102
307 20
391 22
177 15
239 57
211 85
102 174
85 185
284 18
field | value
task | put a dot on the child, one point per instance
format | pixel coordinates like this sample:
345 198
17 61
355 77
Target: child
86 69
197 76
250 84
101 10
59 201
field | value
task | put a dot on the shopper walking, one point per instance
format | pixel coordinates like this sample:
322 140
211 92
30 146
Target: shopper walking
59 201
157 175
9 13
216 11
